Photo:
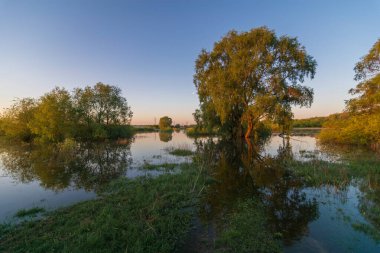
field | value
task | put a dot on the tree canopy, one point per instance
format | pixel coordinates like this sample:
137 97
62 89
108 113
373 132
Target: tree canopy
251 76
97 112
367 92
360 122
165 123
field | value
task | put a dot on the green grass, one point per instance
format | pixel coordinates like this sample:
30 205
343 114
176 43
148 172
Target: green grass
310 122
247 230
162 166
317 172
141 215
180 151
29 212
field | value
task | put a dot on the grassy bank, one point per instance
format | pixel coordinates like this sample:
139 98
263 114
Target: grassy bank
246 230
142 215
145 129
147 214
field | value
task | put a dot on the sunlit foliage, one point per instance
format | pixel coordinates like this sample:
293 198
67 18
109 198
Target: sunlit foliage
360 123
251 76
14 122
98 112
53 119
310 122
165 123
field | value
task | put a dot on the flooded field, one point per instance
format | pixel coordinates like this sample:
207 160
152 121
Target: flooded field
335 211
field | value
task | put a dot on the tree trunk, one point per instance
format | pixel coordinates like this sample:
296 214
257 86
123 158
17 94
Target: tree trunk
249 130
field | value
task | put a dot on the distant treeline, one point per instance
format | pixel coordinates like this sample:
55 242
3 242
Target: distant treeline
91 113
310 122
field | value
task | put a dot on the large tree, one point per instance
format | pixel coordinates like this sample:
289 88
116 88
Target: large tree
360 122
102 104
367 92
252 76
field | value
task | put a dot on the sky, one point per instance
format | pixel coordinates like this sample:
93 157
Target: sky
148 48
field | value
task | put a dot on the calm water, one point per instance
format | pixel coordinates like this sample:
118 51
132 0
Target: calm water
311 219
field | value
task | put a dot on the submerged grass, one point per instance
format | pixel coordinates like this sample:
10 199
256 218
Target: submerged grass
180 151
162 166
29 212
141 215
317 172
363 172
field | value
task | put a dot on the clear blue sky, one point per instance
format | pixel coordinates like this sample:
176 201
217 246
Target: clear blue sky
148 48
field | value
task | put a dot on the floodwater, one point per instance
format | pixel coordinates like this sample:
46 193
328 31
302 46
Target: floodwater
310 218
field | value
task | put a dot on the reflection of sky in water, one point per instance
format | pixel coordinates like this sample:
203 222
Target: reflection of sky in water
304 148
147 147
15 196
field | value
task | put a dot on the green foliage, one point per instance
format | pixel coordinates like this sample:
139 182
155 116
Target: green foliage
310 122
165 123
252 76
98 112
351 129
14 122
142 215
102 104
198 131
53 116
360 124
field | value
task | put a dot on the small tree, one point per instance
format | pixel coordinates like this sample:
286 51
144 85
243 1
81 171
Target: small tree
16 119
165 123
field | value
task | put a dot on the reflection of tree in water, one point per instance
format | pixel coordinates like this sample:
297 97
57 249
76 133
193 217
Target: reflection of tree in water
369 204
240 170
165 136
85 166
365 175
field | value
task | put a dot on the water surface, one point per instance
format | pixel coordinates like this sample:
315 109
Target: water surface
320 218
